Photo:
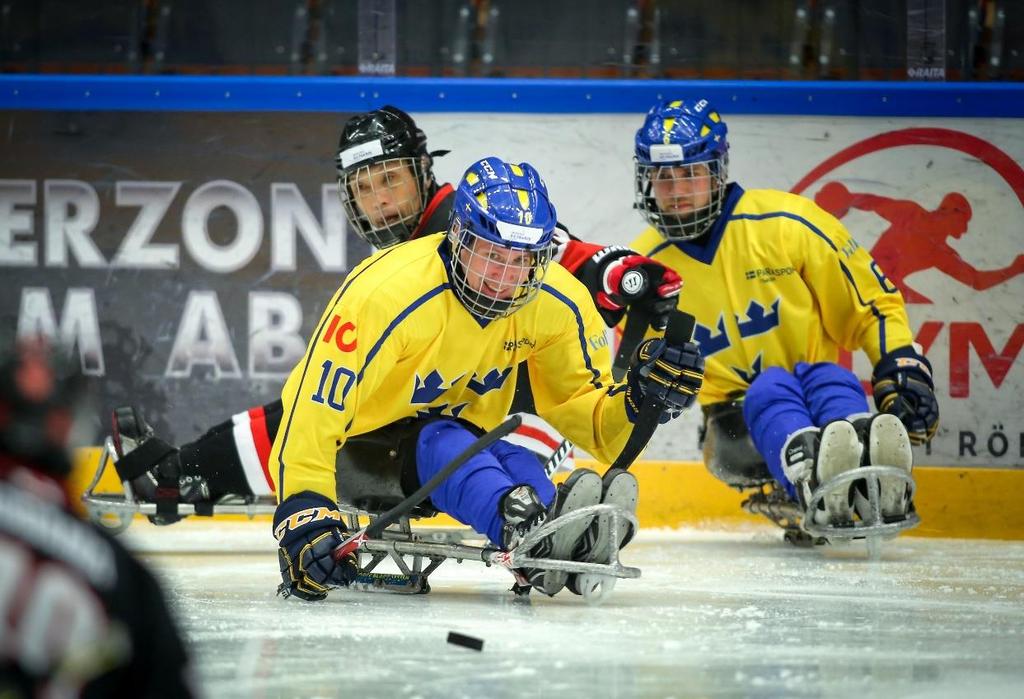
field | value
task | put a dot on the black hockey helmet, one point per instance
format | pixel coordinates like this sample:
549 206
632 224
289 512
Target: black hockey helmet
387 137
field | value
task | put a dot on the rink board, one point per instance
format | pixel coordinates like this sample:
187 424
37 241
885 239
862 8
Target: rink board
970 503
245 237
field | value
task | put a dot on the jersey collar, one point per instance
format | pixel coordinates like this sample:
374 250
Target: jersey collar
704 248
434 218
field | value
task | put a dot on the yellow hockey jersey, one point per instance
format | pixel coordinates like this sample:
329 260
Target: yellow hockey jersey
776 281
395 342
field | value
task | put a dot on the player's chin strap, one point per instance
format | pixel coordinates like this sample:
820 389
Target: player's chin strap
678 332
378 525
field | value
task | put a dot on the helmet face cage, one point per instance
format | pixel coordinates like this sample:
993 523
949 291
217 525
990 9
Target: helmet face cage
695 222
382 158
493 280
501 237
681 158
384 200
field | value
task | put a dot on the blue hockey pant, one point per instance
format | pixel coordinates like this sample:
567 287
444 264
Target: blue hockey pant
472 494
780 402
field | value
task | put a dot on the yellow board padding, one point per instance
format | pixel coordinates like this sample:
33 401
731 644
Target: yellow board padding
82 471
963 503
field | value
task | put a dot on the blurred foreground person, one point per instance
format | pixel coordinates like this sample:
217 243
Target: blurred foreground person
78 615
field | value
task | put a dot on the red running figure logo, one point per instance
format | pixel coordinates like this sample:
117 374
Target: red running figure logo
918 239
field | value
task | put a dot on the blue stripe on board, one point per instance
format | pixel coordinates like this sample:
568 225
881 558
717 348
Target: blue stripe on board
349 94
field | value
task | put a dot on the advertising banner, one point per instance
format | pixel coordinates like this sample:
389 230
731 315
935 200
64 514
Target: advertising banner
183 258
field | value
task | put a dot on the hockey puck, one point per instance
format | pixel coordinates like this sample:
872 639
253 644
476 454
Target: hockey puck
465 641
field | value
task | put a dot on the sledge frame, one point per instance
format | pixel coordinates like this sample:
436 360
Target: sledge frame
416 551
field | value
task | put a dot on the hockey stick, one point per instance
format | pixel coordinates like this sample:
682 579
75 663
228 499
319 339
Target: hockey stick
557 457
636 327
678 332
403 508
637 323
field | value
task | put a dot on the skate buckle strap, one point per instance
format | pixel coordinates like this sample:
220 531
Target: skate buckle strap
143 458
166 500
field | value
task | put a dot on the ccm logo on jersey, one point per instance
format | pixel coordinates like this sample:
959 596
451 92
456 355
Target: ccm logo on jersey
303 517
344 336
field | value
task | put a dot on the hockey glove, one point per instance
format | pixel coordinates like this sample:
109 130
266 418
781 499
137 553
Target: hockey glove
903 386
618 277
308 528
671 373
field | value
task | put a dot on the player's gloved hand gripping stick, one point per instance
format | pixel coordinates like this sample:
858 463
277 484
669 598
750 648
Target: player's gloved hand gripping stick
636 327
634 285
374 529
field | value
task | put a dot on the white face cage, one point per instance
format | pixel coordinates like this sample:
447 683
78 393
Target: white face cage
492 280
691 196
384 200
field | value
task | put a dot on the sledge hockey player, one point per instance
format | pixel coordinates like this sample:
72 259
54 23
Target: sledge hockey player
437 327
78 615
389 195
788 287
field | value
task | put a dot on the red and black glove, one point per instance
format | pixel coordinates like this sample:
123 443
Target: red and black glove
618 277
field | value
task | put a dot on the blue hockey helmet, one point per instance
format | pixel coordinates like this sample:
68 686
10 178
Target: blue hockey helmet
501 235
681 167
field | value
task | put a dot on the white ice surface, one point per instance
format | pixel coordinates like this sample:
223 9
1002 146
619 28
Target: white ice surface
714 614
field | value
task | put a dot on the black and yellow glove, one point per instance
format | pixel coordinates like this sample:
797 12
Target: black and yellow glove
309 528
902 384
674 374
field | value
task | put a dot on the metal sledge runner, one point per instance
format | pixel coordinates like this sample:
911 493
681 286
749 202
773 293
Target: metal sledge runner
393 535
862 488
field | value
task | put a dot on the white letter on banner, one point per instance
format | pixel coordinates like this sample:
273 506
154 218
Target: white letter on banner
13 222
249 235
154 198
203 339
66 230
290 213
334 229
79 324
275 334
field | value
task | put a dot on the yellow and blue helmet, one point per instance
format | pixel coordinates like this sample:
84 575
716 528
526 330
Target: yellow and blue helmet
681 167
501 233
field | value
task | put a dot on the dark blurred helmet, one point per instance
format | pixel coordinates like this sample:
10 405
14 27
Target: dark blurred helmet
42 409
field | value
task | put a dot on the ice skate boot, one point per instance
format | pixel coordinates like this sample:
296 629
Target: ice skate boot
151 467
524 513
618 487
886 443
812 460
